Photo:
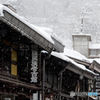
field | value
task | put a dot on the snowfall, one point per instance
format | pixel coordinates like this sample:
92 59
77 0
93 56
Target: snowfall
49 21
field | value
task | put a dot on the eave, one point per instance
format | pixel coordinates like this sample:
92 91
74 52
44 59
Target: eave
74 67
82 35
96 66
80 61
30 33
80 71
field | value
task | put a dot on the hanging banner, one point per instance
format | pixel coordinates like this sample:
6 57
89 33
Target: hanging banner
34 65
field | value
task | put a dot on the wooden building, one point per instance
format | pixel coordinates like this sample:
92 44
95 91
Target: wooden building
91 64
20 56
63 75
95 66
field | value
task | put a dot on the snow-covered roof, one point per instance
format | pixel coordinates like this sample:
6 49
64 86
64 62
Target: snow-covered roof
65 58
95 64
81 66
76 66
75 54
51 33
82 35
44 37
95 59
94 46
61 56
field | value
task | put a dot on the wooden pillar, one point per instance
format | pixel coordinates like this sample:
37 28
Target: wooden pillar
43 75
43 80
60 86
39 95
83 84
78 89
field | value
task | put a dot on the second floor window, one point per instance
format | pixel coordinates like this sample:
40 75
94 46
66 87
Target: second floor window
94 53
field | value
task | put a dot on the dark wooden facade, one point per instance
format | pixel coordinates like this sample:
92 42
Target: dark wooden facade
23 68
15 65
91 82
60 81
20 56
95 66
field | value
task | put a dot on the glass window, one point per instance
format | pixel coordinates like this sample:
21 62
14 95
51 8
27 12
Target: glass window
98 52
93 52
13 62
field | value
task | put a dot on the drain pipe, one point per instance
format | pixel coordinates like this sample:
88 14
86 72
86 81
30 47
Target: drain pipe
43 73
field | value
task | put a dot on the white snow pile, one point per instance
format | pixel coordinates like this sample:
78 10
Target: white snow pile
82 34
65 58
51 33
75 54
45 32
42 32
96 59
94 46
81 66
60 55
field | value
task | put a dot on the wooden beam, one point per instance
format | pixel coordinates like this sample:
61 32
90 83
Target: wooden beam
18 82
74 69
96 66
81 61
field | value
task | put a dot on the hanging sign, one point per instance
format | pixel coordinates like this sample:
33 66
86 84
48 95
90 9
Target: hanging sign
34 65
